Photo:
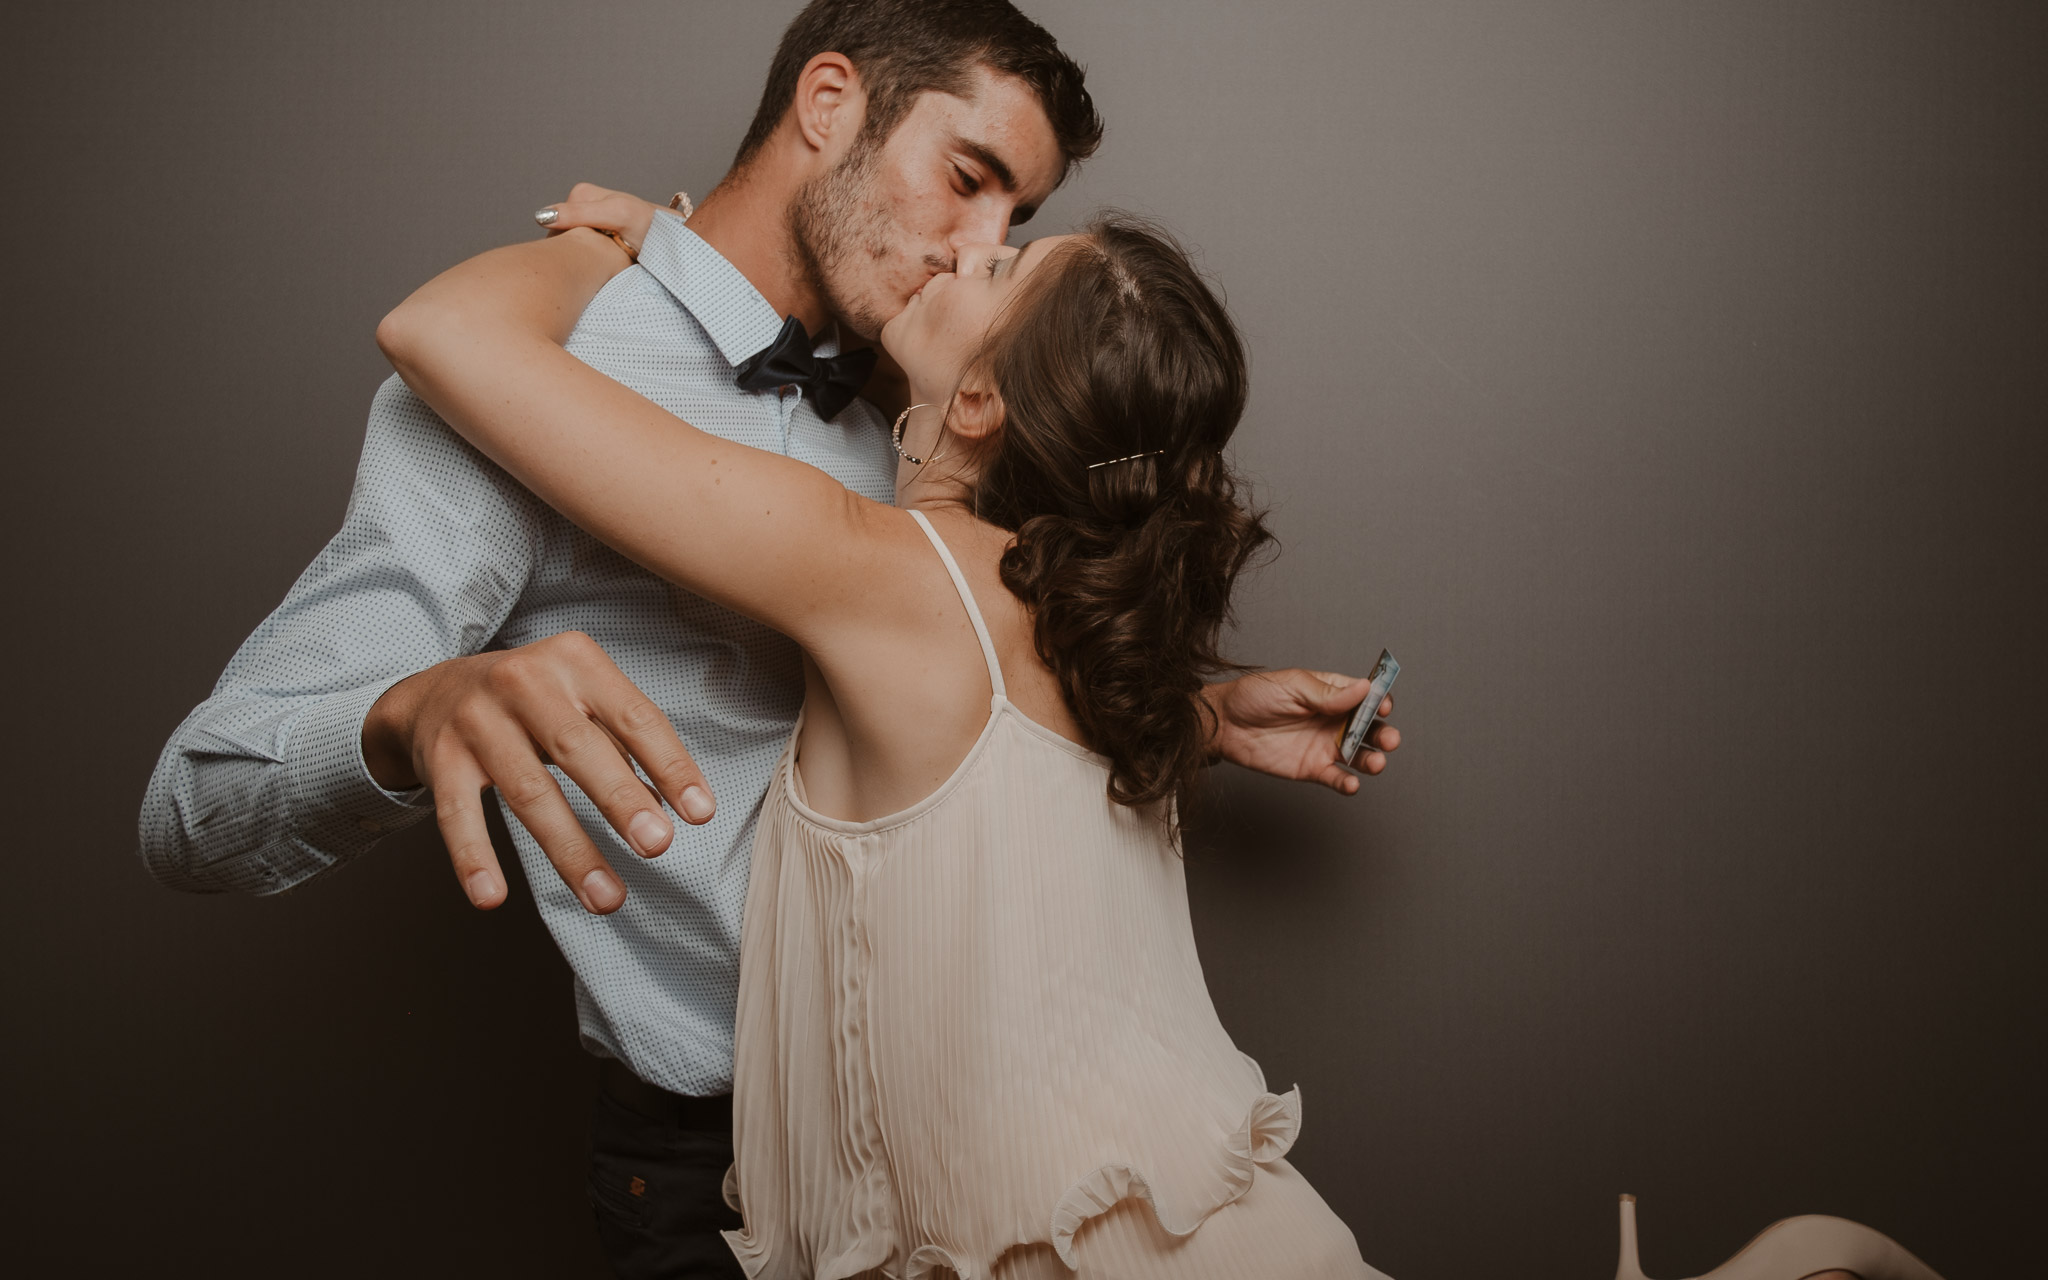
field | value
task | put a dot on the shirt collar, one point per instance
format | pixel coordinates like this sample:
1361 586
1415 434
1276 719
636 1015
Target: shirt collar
732 311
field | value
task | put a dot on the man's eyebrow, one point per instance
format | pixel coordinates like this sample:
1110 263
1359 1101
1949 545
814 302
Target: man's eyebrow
989 160
994 164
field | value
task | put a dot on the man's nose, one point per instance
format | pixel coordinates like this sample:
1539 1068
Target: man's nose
977 254
983 226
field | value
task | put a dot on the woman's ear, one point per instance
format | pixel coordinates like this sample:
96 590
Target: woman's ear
976 412
830 104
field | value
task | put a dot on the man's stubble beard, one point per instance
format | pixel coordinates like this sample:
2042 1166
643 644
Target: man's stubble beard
833 225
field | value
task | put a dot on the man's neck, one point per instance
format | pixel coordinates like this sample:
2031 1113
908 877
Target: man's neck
747 220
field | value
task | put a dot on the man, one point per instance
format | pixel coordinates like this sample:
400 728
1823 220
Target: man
456 635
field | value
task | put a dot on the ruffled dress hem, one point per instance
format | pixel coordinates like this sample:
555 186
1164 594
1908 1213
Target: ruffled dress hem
1270 1127
1268 1133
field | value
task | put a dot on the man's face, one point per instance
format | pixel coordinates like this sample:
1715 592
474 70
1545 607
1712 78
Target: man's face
957 171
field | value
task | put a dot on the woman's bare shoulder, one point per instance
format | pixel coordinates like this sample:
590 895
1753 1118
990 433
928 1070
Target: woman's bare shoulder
978 546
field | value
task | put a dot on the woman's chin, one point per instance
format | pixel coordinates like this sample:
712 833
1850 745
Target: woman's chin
900 343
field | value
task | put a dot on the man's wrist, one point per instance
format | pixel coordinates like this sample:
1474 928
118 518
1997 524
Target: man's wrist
387 736
1214 694
335 808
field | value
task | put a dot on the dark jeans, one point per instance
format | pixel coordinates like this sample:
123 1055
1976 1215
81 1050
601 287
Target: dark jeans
656 1185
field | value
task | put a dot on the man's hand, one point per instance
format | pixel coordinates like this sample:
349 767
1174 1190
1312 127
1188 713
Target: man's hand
1286 723
498 720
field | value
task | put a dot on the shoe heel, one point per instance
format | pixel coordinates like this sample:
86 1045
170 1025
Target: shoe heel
1795 1249
1630 1267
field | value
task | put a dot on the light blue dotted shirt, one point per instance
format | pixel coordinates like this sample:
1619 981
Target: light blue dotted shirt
441 554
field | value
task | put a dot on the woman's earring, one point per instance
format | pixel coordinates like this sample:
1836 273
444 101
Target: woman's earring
896 435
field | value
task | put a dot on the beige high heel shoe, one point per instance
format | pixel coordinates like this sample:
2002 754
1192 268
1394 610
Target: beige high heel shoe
1793 1249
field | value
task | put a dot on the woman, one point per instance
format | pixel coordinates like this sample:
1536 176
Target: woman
973 1034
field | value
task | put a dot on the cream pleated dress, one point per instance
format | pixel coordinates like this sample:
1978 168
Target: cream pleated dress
973 1039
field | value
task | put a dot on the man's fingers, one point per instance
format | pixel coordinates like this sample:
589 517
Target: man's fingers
536 799
1337 780
1369 762
459 812
605 700
1337 694
594 760
652 740
562 701
1372 758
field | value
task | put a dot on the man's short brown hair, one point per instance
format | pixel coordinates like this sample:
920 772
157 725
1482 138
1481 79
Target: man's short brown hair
903 48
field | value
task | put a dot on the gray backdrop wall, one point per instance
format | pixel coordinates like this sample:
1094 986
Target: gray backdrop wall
1662 382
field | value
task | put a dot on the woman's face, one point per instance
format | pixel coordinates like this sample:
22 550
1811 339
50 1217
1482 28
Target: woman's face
944 322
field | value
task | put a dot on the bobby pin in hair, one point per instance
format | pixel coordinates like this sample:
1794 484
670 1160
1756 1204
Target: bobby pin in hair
1132 457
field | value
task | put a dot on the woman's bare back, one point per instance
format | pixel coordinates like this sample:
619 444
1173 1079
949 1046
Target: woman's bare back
889 714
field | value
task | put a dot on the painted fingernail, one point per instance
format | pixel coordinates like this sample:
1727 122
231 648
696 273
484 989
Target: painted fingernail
546 217
650 832
481 887
698 806
602 890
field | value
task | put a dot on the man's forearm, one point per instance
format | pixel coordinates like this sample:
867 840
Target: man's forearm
255 794
265 784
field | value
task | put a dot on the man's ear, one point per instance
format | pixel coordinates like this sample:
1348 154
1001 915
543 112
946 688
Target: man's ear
977 410
830 104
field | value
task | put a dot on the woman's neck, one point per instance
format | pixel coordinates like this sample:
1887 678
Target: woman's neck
927 492
946 478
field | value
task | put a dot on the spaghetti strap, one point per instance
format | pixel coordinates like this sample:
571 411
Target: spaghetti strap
988 646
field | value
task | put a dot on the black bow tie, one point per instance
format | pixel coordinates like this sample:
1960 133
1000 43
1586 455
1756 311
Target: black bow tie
830 381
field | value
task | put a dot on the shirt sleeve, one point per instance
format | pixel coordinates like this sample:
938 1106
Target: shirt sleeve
263 786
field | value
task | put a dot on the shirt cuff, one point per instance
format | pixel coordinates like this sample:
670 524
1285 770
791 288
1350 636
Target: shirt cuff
334 803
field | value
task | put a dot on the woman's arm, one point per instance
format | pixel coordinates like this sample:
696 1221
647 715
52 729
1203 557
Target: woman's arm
767 536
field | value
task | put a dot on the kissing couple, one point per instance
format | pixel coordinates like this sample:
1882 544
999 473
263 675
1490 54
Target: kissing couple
911 989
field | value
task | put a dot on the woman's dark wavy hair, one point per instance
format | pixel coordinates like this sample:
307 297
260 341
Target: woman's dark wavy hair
1116 346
